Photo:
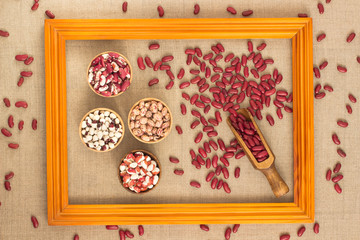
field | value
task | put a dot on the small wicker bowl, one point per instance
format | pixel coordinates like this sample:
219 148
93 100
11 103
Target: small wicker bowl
87 75
153 157
147 100
102 109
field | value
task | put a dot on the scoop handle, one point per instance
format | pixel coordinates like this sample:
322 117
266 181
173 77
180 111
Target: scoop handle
278 186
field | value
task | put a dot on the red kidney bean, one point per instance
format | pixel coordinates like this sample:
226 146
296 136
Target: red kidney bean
194 98
184 85
202 153
174 160
124 6
337 168
129 234
11 121
350 37
208 56
26 73
321 37
288 109
220 184
218 116
218 170
141 230
179 130
239 155
316 228
148 62
212 134
76 237
183 109
335 139
34 221
35 6
13 145
214 183
321 8
4 33
21 125
328 88
317 88
208 129
194 124
226 187
220 47
189 51
301 231
204 227
9 176
348 108
195 113
181 74
358 59
20 82
6 132
225 172
227 233
195 184
122 235
185 96
154 46
316 72
285 237
221 144
224 161
328 175
7 102
343 124
34 124
165 67
337 178
323 65
167 58
213 145
247 13
192 154
169 85
261 47
157 65
50 14
153 82
140 63
196 164
231 10
320 95
112 227
341 153
352 98
250 46
160 11
21 57
7 186
236 228
178 172
214 161
210 176
198 137
196 9
199 104
304 15
337 188
218 58
341 69
208 163
328 1
270 119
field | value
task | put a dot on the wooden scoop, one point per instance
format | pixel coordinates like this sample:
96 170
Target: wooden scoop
267 167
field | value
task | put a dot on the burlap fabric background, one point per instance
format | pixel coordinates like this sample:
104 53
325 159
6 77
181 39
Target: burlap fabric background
93 177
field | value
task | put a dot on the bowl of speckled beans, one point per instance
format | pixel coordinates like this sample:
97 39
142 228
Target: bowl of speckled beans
150 120
101 130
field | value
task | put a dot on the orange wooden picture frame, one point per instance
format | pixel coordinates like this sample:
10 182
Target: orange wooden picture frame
60 212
